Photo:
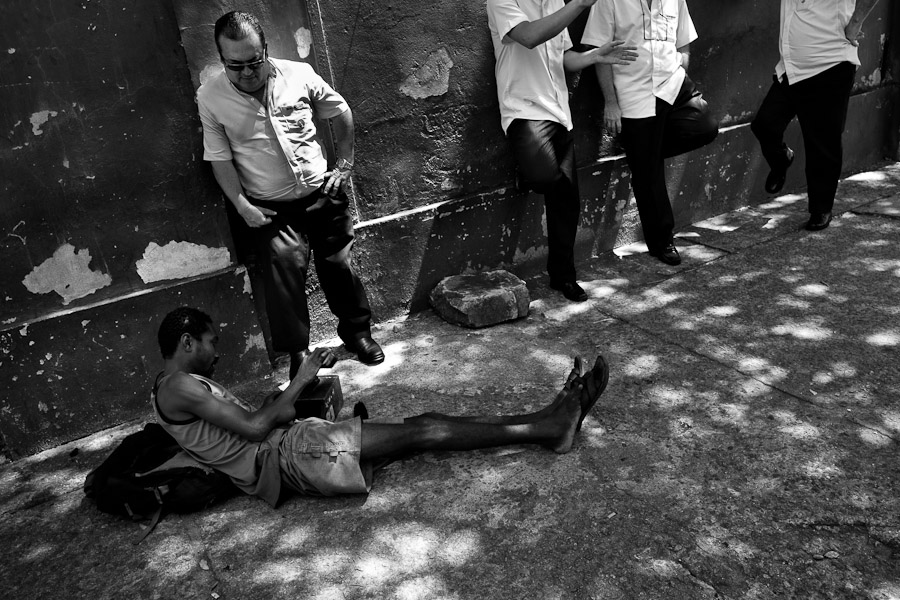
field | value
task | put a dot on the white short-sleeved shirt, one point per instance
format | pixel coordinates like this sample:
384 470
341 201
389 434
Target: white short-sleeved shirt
275 150
657 30
812 37
531 84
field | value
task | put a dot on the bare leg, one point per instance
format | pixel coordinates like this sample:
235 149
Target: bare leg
555 430
578 370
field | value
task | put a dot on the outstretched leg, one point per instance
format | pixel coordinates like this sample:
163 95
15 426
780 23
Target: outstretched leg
577 371
555 431
553 426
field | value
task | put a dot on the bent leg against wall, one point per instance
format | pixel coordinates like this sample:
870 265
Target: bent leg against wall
545 153
689 124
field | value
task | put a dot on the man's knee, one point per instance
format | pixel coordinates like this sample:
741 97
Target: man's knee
710 128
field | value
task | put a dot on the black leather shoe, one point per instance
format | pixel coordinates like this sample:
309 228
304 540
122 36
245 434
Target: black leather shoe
818 221
571 290
668 255
776 178
367 350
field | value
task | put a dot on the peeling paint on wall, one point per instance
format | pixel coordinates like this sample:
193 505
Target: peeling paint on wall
303 39
872 80
67 273
254 342
179 260
39 118
432 78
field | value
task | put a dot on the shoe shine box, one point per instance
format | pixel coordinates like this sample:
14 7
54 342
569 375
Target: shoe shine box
322 398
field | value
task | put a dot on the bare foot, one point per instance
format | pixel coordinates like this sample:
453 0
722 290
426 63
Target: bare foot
563 421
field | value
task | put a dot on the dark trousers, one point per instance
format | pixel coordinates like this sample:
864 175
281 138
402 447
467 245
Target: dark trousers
820 104
328 232
680 127
545 153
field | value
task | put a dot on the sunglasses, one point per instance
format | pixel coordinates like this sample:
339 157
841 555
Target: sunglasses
253 66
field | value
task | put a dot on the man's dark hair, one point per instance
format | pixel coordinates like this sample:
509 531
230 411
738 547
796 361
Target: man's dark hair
177 323
238 25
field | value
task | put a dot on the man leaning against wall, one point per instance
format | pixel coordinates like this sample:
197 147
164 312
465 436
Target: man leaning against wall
651 103
817 43
259 135
533 50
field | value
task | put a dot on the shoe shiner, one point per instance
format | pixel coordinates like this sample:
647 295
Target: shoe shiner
266 449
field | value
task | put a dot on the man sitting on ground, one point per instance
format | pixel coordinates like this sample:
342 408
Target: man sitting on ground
265 449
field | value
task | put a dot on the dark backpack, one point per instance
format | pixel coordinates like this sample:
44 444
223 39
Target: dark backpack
120 487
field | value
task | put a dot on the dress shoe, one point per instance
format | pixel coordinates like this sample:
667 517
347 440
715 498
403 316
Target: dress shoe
367 350
668 255
818 221
776 178
571 290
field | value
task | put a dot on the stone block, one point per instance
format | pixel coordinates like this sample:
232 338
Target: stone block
480 299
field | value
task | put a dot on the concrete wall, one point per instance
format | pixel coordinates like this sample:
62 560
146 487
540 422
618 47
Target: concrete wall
109 220
435 181
111 217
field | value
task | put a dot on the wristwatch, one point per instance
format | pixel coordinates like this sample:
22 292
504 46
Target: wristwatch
343 164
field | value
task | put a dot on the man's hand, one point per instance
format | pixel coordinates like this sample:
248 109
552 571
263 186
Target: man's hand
613 53
612 117
585 3
853 31
256 216
335 181
318 358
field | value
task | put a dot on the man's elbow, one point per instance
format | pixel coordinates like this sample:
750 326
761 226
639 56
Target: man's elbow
257 432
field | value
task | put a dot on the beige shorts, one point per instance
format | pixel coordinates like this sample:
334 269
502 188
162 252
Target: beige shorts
321 458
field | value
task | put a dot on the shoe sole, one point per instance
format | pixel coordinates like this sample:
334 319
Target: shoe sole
601 370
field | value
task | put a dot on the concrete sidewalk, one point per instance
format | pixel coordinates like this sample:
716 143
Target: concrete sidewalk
747 445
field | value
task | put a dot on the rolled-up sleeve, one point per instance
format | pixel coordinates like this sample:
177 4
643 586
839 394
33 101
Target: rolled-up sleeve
505 14
215 141
601 25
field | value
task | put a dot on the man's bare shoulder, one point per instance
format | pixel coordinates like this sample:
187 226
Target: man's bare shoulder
181 386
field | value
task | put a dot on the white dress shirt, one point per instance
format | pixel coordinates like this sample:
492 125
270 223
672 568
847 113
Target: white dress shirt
275 148
531 84
658 29
812 37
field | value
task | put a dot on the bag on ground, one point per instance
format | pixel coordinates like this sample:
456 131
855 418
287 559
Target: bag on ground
148 475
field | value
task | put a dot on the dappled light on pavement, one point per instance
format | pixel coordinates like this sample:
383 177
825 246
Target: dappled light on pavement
746 446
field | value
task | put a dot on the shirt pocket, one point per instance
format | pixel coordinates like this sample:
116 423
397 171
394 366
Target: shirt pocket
295 118
668 20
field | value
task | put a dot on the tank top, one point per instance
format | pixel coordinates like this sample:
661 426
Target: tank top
252 466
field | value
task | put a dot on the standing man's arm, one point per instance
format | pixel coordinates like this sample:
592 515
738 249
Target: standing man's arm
854 28
227 178
344 141
612 114
217 150
613 53
532 34
684 53
685 34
